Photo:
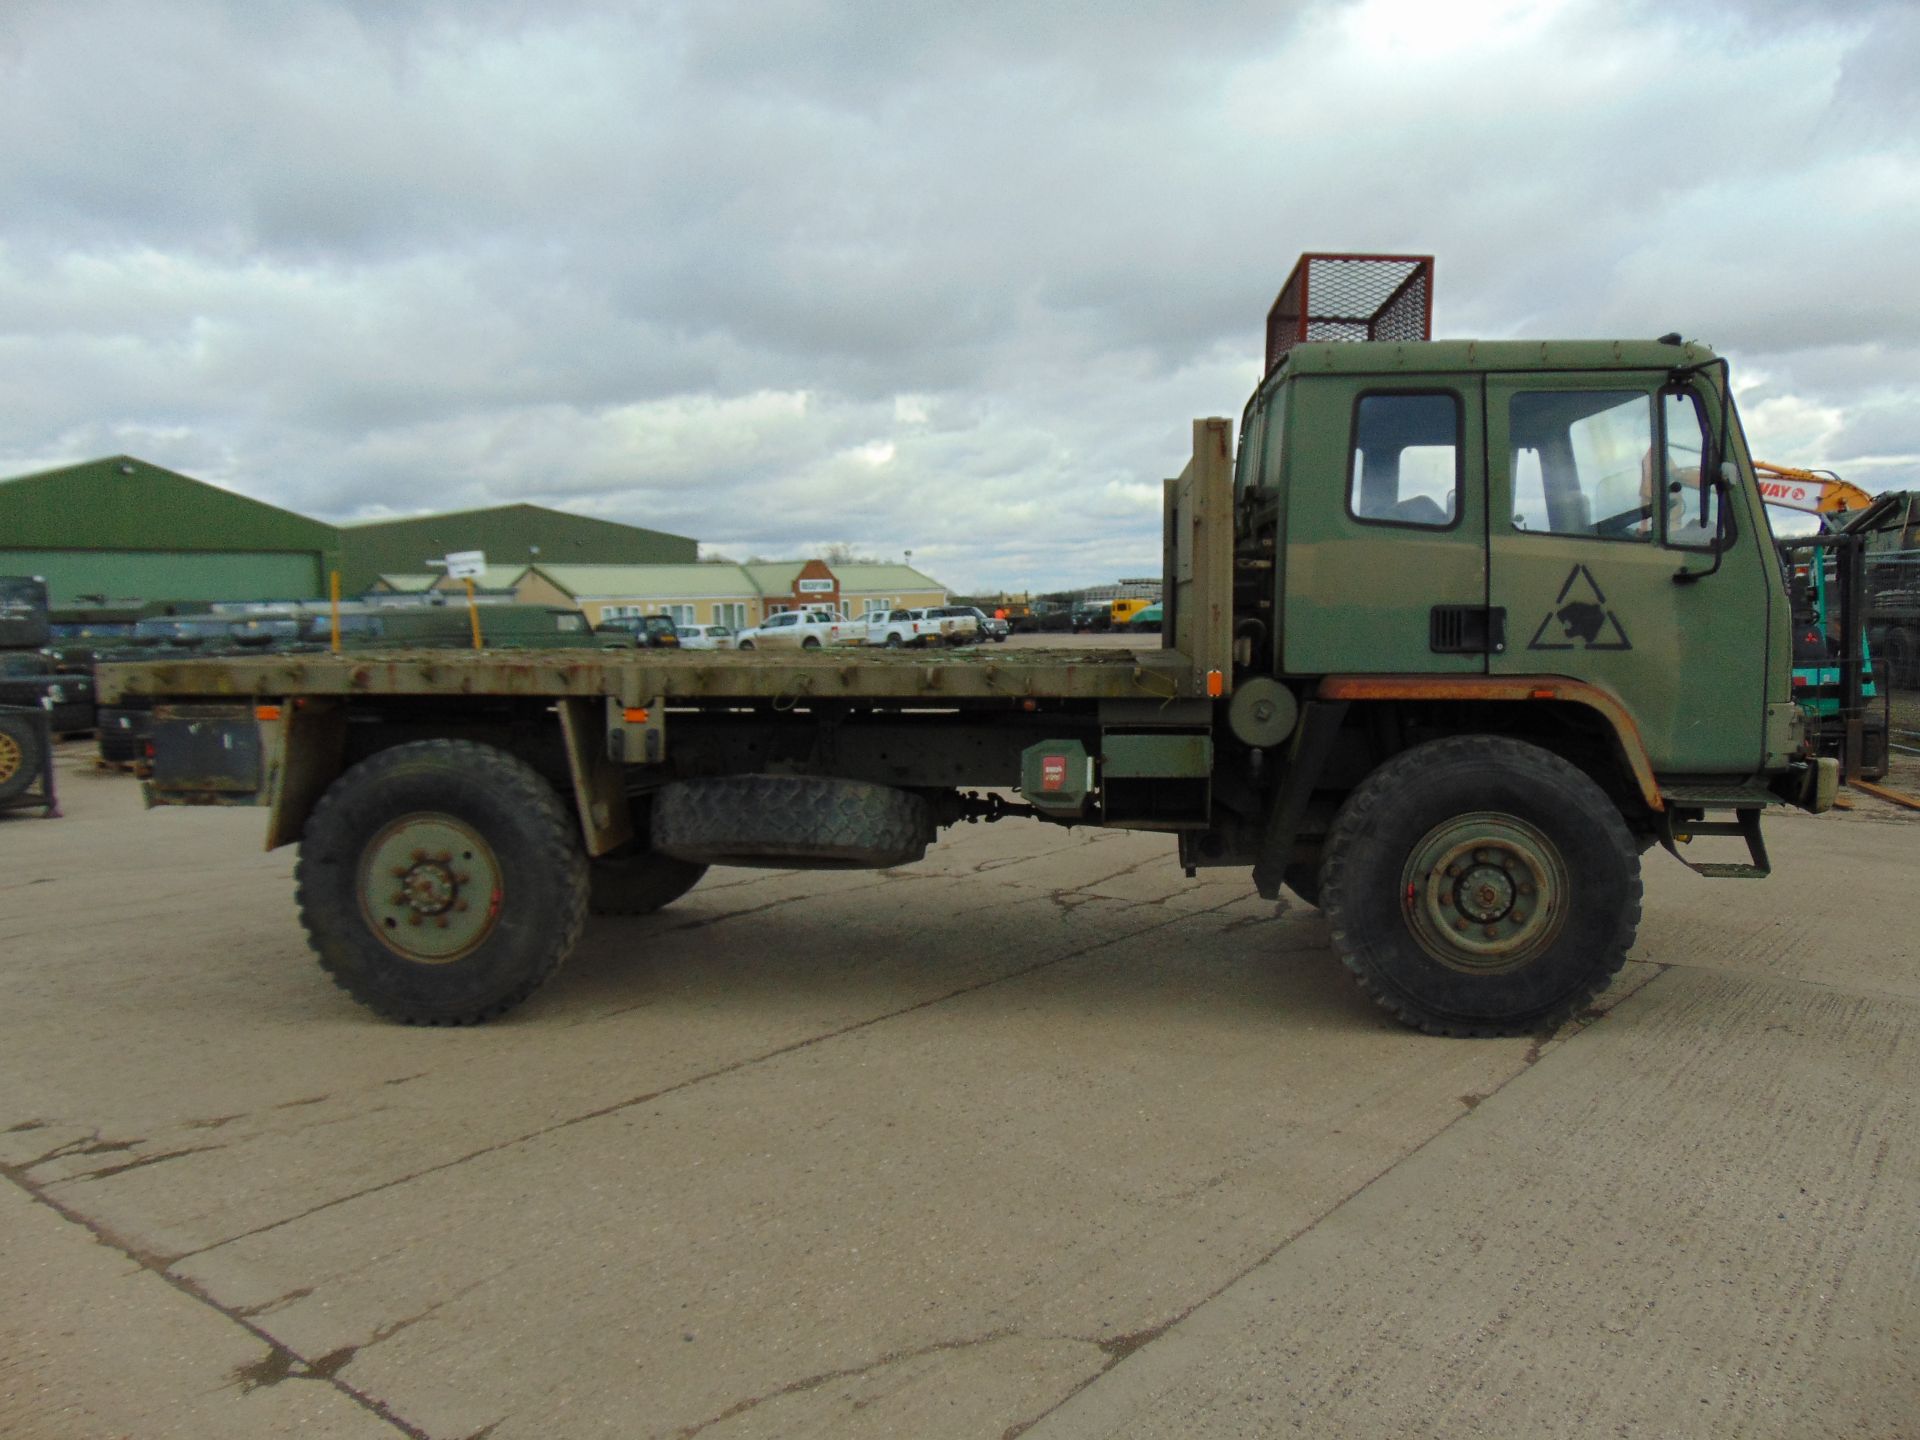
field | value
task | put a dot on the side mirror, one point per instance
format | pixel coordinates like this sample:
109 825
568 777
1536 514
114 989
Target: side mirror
1725 531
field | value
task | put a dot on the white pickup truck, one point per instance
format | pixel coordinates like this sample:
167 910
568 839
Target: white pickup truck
801 630
895 628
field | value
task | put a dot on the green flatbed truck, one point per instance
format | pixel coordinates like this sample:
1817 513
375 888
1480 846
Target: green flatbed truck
1432 657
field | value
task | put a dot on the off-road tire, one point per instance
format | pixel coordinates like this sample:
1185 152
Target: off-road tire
634 880
1575 903
22 757
797 822
893 642
528 839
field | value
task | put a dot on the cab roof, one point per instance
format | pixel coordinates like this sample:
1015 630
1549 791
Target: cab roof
1380 357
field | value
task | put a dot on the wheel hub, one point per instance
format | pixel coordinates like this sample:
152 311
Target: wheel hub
10 757
1485 892
430 888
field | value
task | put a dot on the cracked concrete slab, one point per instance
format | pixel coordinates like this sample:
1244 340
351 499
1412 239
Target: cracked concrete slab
1730 1250
93 1344
925 1151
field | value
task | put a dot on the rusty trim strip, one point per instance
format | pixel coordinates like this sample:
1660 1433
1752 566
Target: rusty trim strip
1509 688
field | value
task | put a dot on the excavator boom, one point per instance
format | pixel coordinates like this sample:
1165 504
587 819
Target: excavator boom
1817 492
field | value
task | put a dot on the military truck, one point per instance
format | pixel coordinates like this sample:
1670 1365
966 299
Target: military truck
1434 657
30 677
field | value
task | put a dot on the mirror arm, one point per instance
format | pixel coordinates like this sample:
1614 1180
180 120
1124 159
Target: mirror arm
1725 530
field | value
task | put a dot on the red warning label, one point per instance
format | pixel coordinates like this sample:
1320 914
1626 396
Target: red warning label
1053 772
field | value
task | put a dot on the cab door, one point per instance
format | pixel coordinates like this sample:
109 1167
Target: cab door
1603 549
1386 527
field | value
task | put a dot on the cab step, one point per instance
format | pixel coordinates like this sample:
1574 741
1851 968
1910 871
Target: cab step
1676 831
1736 795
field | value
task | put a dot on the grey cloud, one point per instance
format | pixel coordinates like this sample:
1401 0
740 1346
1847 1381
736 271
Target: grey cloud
355 255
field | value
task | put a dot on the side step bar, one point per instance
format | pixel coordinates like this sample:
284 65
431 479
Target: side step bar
1677 830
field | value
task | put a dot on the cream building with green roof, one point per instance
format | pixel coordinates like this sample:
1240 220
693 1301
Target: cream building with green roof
714 594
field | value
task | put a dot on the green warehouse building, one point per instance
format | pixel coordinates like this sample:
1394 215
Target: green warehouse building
511 535
122 529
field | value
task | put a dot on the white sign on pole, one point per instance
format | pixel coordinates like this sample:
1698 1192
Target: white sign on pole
466 564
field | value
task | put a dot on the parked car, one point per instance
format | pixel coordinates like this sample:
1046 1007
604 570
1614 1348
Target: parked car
992 627
706 637
801 630
644 632
972 625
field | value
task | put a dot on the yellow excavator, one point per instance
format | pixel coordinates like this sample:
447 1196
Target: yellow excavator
1817 492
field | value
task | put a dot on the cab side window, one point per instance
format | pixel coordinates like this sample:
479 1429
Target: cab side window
1404 468
1583 463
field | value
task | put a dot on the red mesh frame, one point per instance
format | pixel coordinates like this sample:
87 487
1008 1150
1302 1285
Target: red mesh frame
1352 297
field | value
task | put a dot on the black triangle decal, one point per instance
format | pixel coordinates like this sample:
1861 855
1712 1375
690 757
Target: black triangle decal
1579 618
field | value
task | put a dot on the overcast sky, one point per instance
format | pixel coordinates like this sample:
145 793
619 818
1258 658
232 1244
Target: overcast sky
947 278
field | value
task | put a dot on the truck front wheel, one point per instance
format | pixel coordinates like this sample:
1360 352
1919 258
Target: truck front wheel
441 882
1479 885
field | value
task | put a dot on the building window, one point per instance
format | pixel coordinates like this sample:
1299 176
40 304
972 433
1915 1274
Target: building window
876 609
682 614
730 614
619 612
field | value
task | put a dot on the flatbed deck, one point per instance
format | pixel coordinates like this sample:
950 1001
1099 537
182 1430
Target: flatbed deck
789 676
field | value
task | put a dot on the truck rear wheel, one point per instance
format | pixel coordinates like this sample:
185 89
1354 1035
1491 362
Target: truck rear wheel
441 882
1479 885
634 880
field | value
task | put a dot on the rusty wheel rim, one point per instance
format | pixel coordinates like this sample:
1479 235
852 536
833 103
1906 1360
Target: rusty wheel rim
11 757
430 888
1485 893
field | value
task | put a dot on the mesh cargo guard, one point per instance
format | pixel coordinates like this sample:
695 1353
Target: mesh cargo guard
1352 297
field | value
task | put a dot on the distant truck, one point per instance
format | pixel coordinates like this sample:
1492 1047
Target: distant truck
1890 534
917 629
969 623
800 630
1430 660
30 677
985 627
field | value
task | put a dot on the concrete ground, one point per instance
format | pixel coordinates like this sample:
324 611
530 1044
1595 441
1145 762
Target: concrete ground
1037 1138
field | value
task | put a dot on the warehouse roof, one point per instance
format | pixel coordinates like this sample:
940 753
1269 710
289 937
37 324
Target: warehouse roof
123 503
777 577
692 581
490 513
721 581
